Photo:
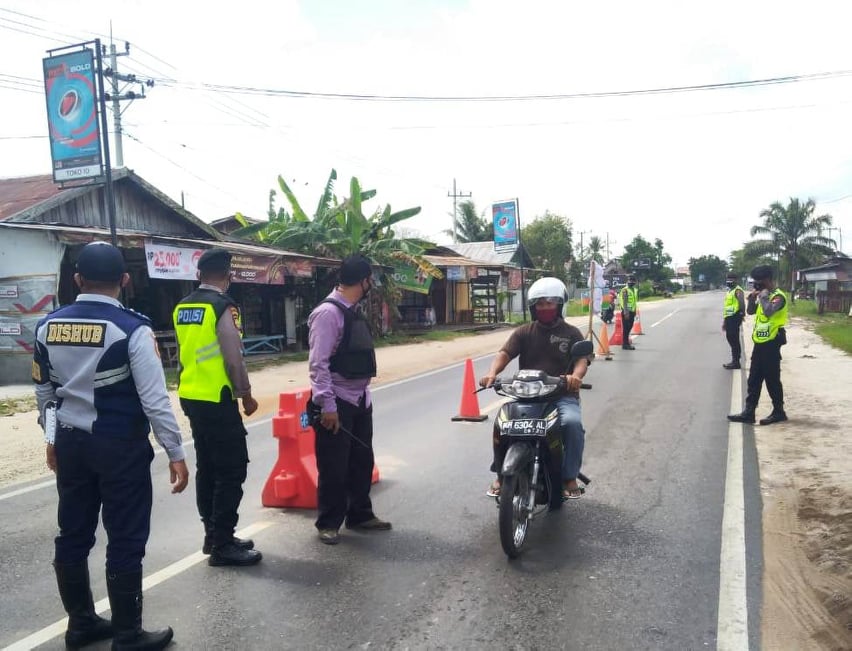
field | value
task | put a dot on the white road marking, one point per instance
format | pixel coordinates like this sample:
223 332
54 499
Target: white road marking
58 628
732 625
670 314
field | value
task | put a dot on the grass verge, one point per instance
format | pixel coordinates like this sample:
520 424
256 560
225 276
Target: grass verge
834 328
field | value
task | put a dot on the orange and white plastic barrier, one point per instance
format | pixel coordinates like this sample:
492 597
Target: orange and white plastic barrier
293 480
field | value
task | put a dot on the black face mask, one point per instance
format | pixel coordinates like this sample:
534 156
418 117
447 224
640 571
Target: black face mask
730 284
758 285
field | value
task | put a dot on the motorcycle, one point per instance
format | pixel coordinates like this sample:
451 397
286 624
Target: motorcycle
527 428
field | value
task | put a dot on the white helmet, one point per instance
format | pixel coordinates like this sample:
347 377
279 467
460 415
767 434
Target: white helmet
550 288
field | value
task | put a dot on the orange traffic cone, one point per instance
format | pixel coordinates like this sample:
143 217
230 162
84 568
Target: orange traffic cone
469 409
603 341
637 326
617 335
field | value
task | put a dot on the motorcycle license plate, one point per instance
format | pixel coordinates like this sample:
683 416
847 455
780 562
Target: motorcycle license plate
525 427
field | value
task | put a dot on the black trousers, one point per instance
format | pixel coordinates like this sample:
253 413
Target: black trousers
765 367
732 333
627 319
109 475
345 467
221 464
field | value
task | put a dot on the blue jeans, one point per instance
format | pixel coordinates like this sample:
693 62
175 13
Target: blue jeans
573 436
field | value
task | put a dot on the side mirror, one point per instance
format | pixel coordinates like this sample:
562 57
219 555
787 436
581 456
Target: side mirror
582 349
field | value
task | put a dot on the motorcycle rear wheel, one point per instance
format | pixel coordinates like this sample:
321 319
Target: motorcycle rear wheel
514 515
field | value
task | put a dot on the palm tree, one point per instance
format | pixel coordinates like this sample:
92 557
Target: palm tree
471 227
794 236
595 249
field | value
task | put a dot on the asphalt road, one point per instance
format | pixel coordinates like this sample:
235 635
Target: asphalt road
635 564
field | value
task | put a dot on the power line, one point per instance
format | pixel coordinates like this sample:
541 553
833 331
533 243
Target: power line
278 92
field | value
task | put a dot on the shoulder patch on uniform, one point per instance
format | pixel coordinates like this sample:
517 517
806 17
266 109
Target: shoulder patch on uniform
74 333
36 372
235 315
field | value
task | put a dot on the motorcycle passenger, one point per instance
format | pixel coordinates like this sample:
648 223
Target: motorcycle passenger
545 345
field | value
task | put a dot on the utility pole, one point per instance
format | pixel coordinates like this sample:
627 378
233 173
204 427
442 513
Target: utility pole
830 230
116 97
456 195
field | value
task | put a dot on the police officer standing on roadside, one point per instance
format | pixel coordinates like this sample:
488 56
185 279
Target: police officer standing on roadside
734 311
629 300
769 306
213 377
341 362
99 379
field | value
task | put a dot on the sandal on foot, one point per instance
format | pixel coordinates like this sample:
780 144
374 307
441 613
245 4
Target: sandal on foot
573 493
493 490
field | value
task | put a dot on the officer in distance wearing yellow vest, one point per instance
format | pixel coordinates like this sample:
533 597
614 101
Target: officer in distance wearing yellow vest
628 298
732 318
768 304
212 377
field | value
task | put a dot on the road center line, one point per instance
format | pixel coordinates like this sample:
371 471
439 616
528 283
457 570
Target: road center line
58 628
732 625
670 314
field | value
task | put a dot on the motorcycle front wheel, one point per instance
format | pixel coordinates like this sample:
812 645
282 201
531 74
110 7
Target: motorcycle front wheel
514 516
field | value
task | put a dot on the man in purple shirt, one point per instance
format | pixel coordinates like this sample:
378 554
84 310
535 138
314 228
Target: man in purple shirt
341 363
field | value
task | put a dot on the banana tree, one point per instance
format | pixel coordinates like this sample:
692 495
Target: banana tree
340 228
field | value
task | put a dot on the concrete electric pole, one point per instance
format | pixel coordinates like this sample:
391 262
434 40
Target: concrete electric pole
116 97
455 195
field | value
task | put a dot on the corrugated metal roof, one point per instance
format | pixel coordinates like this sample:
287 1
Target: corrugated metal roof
131 239
18 194
25 199
451 261
483 252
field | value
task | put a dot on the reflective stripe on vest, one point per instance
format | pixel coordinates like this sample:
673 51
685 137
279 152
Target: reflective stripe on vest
766 328
203 372
732 305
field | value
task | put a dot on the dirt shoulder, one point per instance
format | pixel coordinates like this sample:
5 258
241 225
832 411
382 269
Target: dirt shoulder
806 484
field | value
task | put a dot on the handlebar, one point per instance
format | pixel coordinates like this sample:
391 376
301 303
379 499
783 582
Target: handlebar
498 381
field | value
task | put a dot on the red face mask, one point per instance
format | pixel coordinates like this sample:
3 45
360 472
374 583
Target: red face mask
546 314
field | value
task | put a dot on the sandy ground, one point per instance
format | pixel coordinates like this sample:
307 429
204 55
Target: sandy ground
805 469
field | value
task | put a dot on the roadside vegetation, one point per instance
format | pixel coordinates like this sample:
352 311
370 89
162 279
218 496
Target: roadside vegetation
11 406
834 328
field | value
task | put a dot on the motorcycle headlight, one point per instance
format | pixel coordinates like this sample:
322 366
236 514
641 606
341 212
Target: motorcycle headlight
523 389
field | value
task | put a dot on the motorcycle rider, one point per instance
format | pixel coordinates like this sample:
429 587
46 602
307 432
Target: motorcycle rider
545 345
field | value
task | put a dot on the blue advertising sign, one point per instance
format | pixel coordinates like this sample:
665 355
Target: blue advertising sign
505 219
72 116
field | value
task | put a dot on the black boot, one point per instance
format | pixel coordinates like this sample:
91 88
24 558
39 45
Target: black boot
242 543
233 554
732 366
747 416
84 625
125 599
777 416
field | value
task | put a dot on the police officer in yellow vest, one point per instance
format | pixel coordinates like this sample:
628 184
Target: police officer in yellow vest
733 314
769 306
212 377
628 298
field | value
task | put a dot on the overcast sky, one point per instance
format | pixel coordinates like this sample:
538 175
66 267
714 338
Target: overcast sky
691 168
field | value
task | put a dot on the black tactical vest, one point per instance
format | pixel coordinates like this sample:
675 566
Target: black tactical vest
356 355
